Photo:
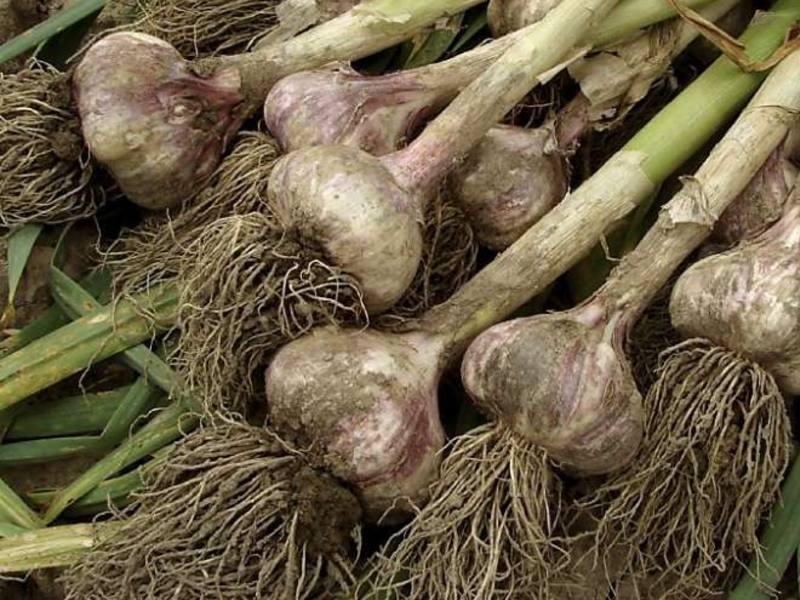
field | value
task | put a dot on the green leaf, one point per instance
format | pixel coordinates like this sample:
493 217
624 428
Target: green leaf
139 400
9 530
20 246
45 30
41 451
75 415
435 44
98 284
77 302
74 347
14 510
169 425
476 22
116 491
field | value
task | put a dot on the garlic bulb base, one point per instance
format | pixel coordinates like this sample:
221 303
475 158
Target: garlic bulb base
348 204
365 403
561 383
159 127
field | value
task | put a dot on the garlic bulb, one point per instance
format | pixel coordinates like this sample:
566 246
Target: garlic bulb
748 299
158 126
561 382
366 403
508 182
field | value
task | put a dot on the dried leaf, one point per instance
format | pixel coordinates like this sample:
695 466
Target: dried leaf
731 47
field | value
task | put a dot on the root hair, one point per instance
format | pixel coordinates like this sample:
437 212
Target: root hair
488 531
151 253
246 288
202 28
449 260
717 444
46 173
233 514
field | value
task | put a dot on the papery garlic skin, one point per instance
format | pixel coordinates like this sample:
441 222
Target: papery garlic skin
508 182
748 300
561 382
365 403
346 204
159 127
341 106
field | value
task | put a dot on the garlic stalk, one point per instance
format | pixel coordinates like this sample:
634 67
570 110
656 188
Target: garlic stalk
349 221
373 371
380 114
160 123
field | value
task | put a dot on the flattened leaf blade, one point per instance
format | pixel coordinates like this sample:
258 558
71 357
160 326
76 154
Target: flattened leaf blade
20 246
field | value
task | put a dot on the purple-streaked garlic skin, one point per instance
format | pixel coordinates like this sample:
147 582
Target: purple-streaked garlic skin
562 382
758 206
365 403
341 106
508 182
748 300
156 125
506 16
348 205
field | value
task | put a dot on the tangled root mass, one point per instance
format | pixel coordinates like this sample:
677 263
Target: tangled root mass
200 28
238 309
247 287
487 533
449 260
46 174
152 252
233 514
710 468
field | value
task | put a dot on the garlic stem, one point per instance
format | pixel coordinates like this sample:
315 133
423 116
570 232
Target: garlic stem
687 220
363 30
464 122
563 236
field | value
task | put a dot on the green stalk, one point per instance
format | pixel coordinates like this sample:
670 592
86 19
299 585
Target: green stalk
14 510
75 415
97 284
51 547
57 23
165 428
73 348
568 232
9 530
179 418
20 246
139 398
116 490
7 417
41 451
77 302
632 15
779 542
698 117
112 490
